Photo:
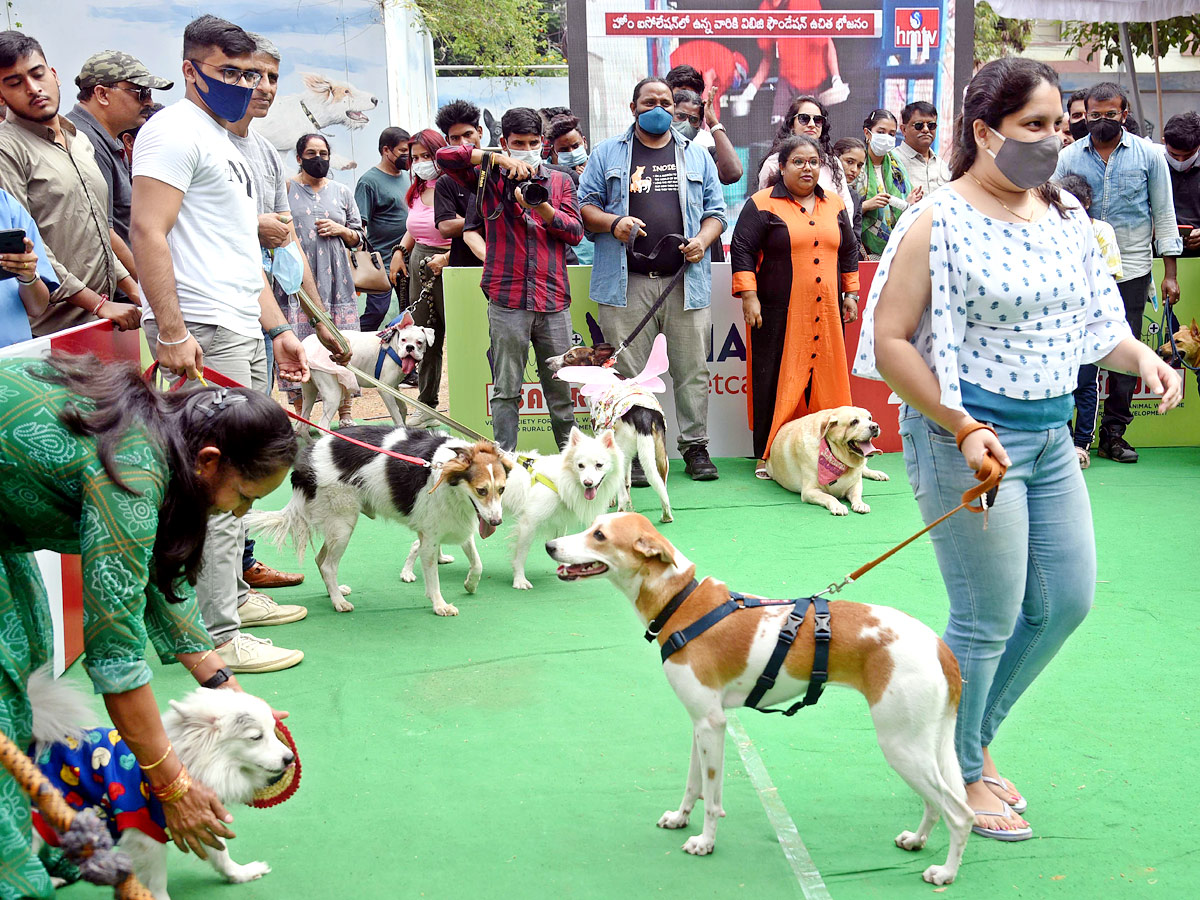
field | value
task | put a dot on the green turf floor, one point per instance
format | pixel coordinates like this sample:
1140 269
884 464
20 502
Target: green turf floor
526 748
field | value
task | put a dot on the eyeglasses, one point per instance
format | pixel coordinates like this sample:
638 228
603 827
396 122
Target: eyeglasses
806 163
684 117
1112 115
234 75
805 118
144 95
922 126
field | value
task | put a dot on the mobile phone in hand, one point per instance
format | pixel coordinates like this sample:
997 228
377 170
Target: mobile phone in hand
12 240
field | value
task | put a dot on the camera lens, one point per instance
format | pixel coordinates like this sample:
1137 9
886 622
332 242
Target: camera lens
535 193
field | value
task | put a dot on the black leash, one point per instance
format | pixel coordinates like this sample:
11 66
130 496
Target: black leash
669 240
822 634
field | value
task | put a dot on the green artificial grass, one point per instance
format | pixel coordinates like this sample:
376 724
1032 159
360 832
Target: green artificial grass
527 747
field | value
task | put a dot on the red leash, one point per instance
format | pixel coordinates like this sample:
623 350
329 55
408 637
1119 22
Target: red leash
224 381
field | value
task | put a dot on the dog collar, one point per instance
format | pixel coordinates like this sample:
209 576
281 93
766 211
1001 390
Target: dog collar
311 117
655 627
829 467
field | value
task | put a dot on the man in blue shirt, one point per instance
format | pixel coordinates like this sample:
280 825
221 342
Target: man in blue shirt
653 182
27 293
1131 191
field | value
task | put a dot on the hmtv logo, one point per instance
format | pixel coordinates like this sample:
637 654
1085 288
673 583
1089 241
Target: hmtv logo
920 27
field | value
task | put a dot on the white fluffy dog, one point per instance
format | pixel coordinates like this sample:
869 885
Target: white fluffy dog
563 491
225 738
323 103
402 345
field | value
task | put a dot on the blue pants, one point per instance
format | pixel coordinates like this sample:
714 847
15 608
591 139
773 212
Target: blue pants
1087 401
375 311
1018 589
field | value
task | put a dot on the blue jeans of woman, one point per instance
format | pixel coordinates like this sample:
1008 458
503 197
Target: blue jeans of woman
1017 589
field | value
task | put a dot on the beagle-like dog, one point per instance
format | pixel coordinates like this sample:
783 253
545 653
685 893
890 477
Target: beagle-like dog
907 673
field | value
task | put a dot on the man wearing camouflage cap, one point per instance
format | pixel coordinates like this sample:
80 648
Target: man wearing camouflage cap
114 96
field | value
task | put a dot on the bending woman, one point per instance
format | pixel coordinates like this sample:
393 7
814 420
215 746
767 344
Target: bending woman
961 324
794 252
96 462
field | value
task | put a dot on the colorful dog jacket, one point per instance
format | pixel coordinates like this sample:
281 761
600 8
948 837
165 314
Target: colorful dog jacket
101 773
607 408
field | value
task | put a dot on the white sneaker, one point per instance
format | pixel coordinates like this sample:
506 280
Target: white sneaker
259 610
247 653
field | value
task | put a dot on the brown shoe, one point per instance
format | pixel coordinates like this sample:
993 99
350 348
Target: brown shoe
263 576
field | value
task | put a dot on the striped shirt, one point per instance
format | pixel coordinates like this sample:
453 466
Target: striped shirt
526 262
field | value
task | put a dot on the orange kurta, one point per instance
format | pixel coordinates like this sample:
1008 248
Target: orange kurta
794 267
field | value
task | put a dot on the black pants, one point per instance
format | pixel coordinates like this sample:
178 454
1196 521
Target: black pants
1117 415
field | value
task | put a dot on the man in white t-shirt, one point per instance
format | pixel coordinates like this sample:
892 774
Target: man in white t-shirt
194 231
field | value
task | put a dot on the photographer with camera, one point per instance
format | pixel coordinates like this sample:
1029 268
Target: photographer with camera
532 218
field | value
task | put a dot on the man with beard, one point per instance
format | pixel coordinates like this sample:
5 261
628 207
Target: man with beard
50 169
1131 191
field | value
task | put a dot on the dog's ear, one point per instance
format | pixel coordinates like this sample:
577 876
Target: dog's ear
575 438
506 461
830 421
453 470
654 546
608 439
430 336
318 84
601 353
406 321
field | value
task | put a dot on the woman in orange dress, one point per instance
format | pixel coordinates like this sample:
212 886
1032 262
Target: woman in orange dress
795 266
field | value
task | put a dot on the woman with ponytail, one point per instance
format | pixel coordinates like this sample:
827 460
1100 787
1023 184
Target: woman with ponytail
96 462
990 295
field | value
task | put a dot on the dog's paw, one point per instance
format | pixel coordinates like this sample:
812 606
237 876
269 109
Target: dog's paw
442 608
875 475
860 508
343 606
699 845
249 872
345 589
938 875
408 577
674 818
444 559
838 509
521 583
472 581
908 840
667 516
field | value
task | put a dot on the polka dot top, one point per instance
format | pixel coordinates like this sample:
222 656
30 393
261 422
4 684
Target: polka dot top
1015 308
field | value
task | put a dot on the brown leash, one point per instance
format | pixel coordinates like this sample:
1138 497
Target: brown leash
85 838
989 475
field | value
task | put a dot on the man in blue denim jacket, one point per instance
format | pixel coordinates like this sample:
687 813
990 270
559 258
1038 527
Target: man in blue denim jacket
1131 191
655 181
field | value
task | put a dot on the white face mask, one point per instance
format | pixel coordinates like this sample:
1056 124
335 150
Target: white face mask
532 157
1182 165
882 144
426 169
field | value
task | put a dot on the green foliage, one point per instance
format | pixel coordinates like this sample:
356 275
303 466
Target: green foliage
509 34
996 36
1182 33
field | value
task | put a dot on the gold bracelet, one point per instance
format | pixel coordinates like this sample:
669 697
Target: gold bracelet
200 661
161 760
178 786
179 793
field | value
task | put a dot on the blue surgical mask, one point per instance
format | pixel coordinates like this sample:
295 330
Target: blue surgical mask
286 267
655 121
227 101
573 158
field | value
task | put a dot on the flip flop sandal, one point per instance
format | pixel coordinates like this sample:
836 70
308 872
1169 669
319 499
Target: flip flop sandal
998 834
1020 806
760 472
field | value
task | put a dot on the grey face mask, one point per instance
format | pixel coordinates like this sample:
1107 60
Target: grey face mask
1027 164
686 130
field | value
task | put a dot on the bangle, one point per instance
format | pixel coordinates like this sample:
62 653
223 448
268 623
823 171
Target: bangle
612 229
161 759
218 678
720 126
103 300
971 428
278 330
192 669
183 340
178 786
30 281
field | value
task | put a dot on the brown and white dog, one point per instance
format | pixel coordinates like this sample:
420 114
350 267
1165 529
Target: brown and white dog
908 675
823 456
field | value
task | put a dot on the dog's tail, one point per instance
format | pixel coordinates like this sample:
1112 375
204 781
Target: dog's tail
660 448
60 709
293 521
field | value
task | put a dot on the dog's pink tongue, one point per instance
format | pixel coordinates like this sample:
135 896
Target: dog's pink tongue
867 448
407 364
589 493
486 529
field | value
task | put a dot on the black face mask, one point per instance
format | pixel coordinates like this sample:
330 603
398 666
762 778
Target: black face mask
1105 130
315 166
1079 129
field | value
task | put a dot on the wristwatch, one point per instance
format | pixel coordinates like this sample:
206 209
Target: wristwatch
851 295
720 126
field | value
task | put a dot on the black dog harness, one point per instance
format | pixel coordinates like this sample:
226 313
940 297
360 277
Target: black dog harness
787 635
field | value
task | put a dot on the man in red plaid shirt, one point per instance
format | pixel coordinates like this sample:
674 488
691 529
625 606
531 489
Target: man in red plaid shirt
525 268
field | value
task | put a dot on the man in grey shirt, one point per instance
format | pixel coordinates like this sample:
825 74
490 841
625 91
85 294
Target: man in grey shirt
919 122
115 94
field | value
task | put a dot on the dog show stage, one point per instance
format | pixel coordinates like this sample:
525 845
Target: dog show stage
526 747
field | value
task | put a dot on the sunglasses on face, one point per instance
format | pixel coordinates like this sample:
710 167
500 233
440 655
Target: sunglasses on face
684 117
805 118
923 126
143 94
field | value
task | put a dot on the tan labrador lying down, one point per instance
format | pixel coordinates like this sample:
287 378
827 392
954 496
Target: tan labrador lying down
823 456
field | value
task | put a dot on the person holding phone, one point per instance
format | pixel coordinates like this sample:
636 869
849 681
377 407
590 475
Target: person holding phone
28 277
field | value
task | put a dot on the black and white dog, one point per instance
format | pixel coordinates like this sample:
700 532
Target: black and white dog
334 481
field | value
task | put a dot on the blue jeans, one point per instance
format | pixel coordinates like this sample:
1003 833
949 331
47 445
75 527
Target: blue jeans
375 311
1018 589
